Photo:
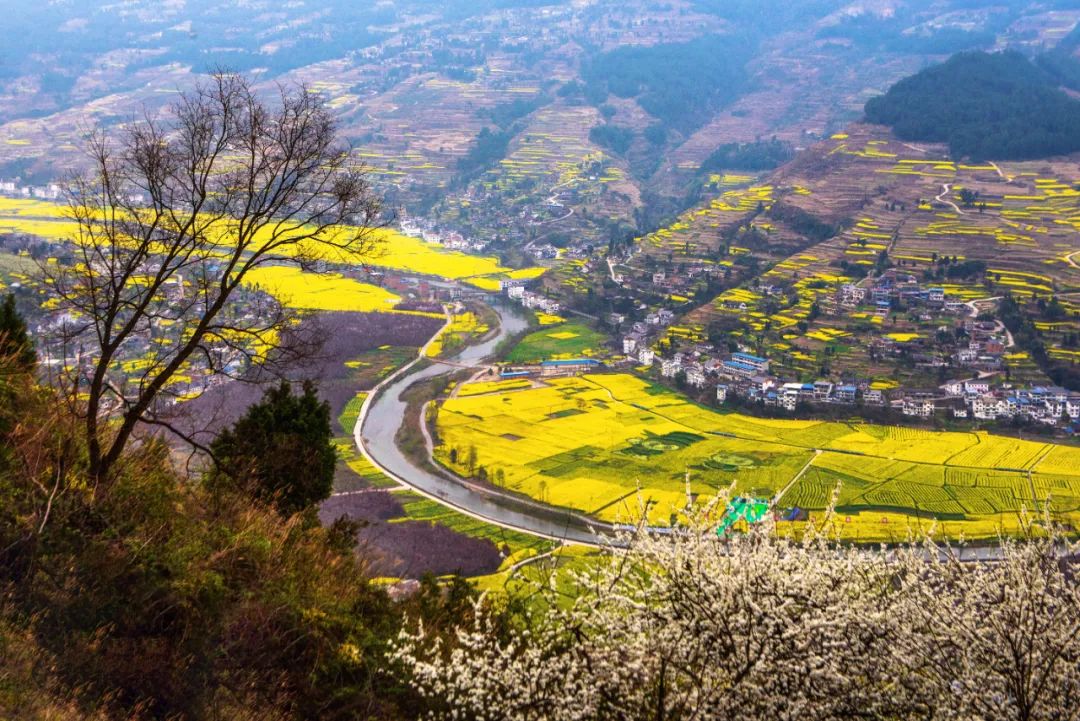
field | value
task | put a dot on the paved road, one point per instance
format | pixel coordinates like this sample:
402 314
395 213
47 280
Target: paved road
379 424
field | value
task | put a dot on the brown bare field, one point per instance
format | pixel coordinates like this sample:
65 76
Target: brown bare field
335 370
409 549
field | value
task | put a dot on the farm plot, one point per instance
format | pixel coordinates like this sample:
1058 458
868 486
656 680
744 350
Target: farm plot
315 291
419 508
554 342
620 449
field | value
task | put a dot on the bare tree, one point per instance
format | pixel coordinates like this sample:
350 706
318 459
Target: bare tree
175 214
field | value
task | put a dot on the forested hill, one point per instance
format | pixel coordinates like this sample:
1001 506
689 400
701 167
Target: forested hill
680 84
986 106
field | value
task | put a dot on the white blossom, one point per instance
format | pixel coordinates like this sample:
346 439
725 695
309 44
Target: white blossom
761 627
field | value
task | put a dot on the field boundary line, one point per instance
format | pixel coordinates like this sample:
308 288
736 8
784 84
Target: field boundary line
793 481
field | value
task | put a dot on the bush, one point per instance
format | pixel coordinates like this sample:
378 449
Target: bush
145 595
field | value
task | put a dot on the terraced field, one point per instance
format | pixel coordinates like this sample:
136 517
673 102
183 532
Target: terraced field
619 448
894 198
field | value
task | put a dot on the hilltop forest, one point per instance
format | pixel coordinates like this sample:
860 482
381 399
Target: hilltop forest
985 106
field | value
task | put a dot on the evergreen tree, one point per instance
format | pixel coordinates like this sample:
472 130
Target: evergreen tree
282 449
15 342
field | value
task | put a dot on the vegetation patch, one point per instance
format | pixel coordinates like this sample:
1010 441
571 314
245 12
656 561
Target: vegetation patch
984 106
568 340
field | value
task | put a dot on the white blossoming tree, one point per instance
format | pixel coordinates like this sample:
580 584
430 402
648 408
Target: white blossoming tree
758 627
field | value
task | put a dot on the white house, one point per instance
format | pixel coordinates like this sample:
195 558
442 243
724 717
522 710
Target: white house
953 388
918 408
670 366
695 376
985 407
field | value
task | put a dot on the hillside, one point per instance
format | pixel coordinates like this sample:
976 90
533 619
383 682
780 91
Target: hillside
985 106
477 117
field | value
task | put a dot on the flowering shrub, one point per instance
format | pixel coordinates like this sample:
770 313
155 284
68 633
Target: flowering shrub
760 627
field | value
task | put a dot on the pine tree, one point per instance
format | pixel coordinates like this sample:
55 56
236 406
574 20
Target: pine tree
282 450
15 345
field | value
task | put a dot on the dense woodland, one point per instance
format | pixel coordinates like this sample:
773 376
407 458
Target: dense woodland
985 106
613 137
756 156
681 84
1062 62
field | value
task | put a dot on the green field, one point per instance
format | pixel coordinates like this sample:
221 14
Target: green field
616 447
371 367
351 412
566 340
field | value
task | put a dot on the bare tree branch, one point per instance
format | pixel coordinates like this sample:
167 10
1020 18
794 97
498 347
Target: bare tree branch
169 225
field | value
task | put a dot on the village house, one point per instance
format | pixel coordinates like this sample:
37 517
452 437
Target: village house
851 294
953 388
822 390
571 367
669 367
874 396
758 363
845 393
918 408
695 376
737 369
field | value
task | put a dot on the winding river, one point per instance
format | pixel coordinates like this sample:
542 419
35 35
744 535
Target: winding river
384 413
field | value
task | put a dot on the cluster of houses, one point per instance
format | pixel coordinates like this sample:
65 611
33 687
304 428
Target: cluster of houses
50 191
53 330
15 189
746 376
896 287
987 343
515 290
430 233
1050 405
637 343
982 348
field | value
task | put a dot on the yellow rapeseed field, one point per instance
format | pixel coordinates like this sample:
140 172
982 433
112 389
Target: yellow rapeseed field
614 446
390 249
321 291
